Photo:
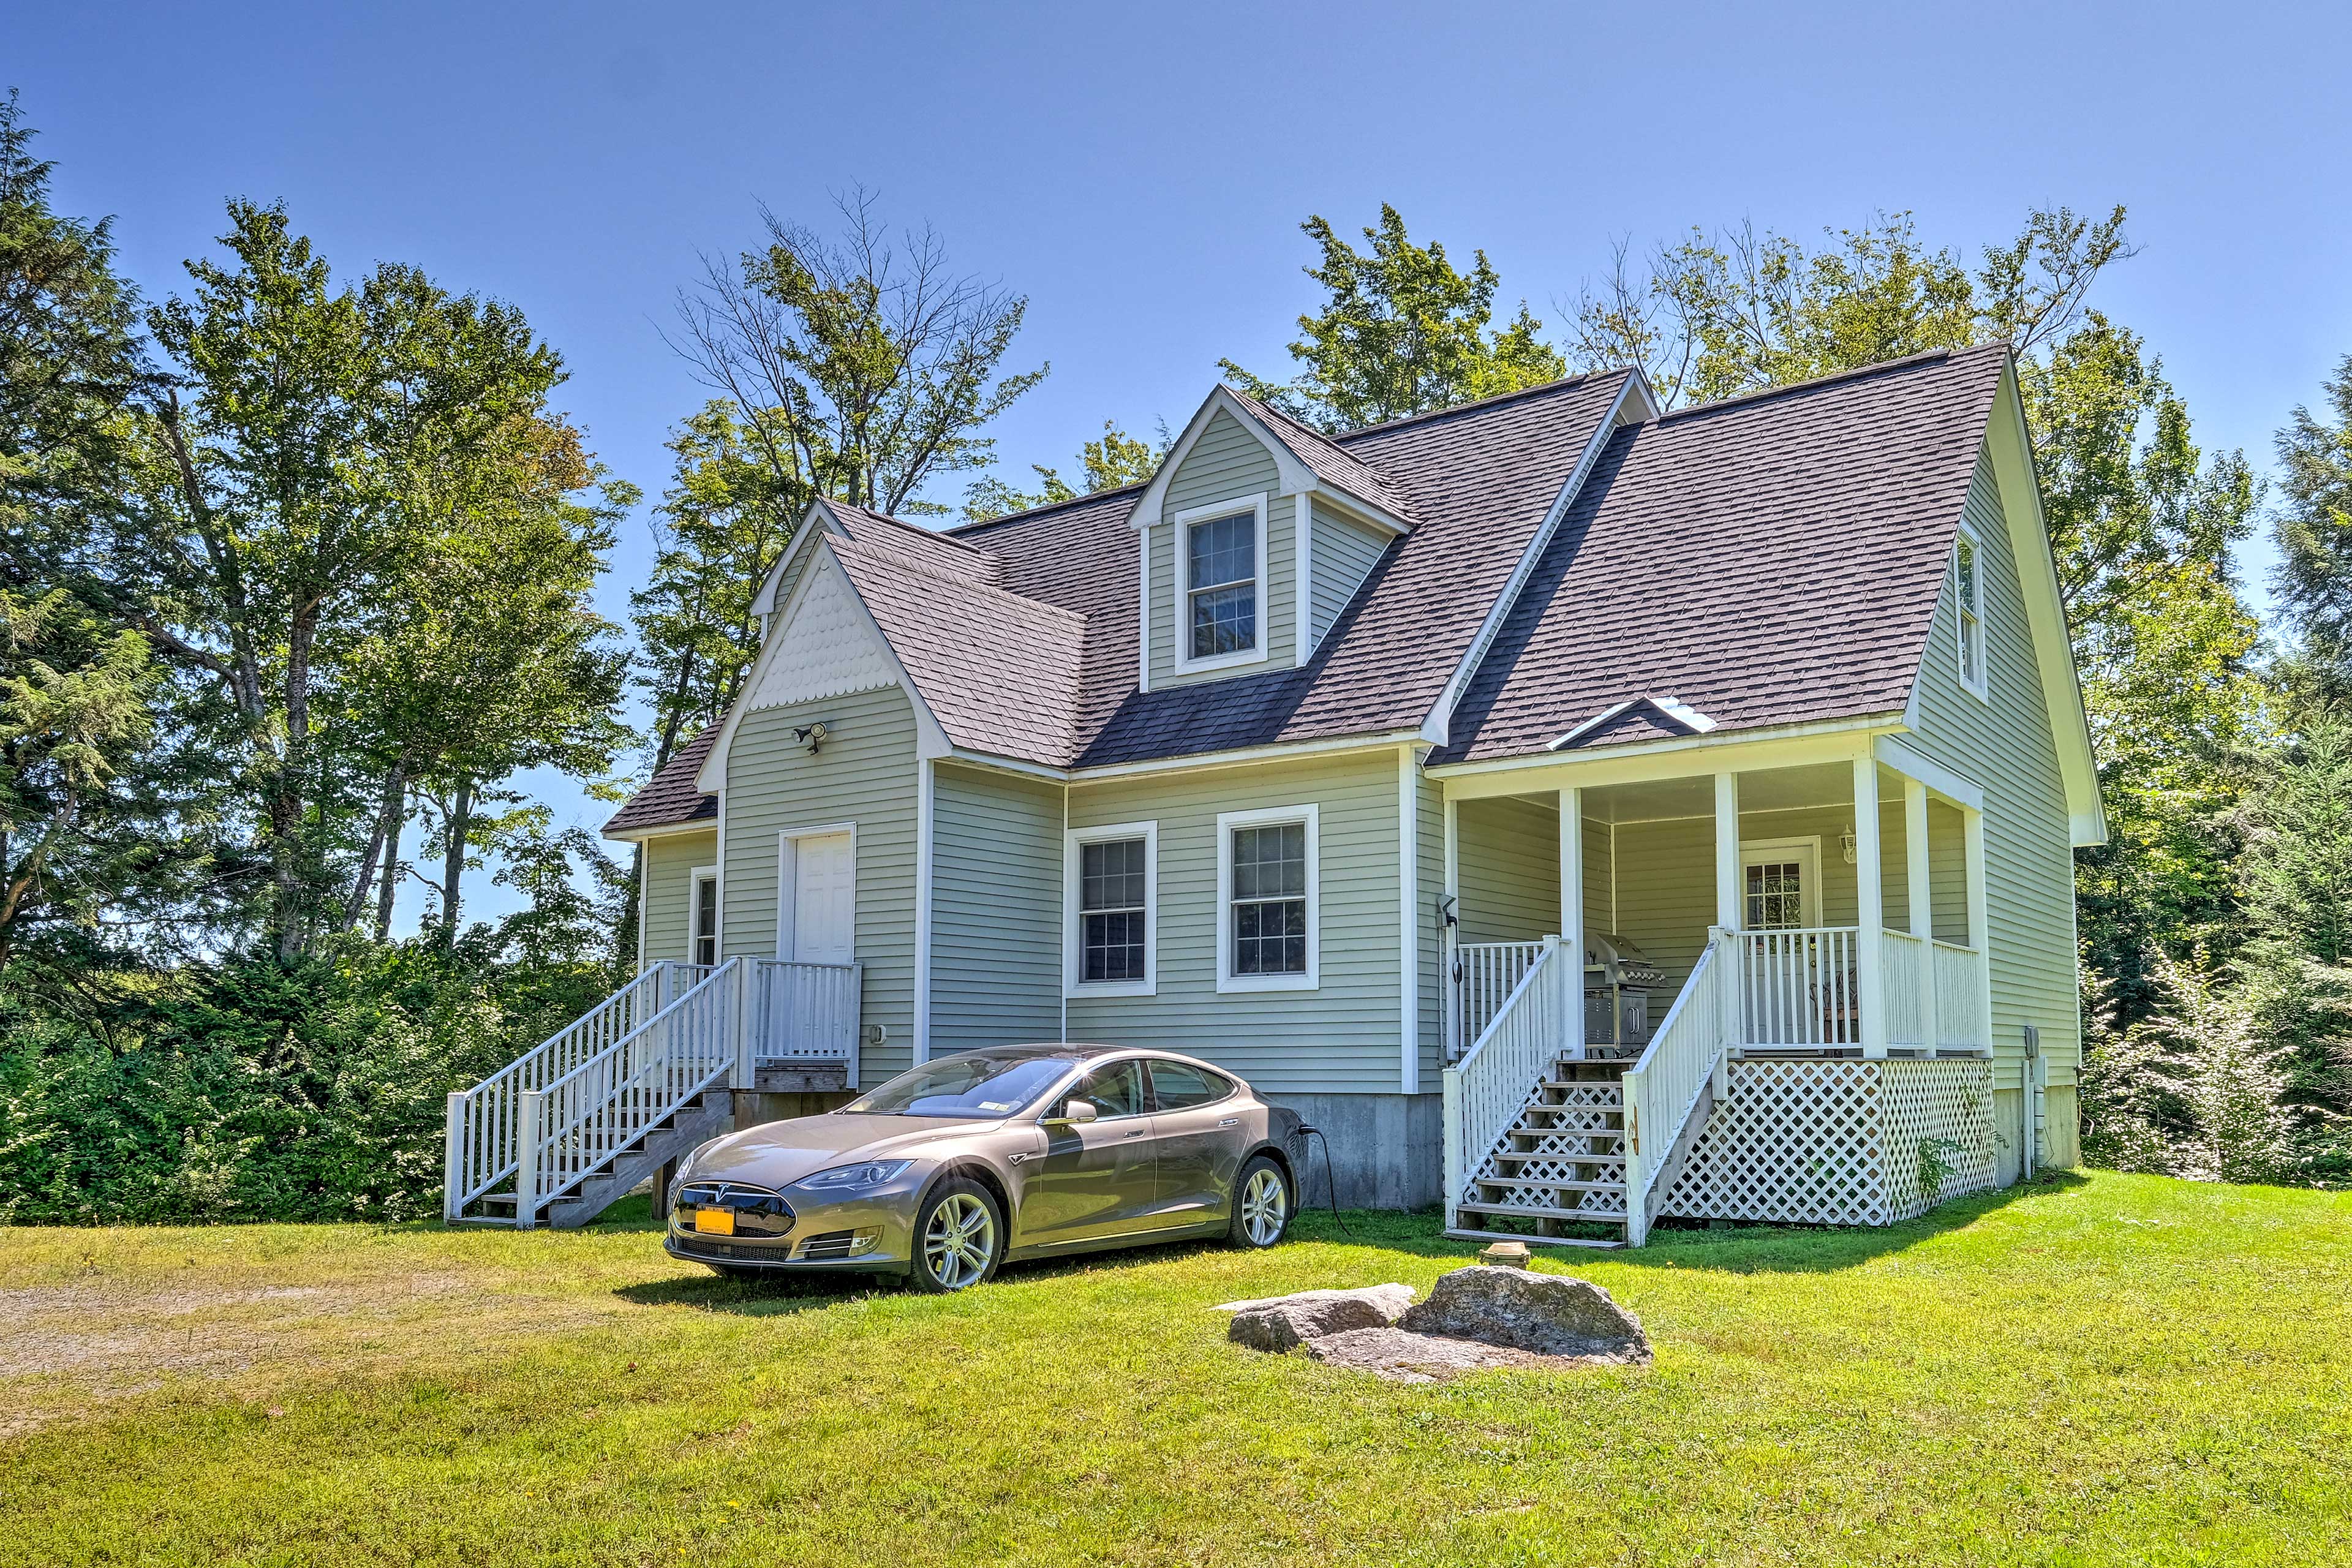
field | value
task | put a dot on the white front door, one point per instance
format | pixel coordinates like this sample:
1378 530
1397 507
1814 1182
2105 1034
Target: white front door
1780 883
824 900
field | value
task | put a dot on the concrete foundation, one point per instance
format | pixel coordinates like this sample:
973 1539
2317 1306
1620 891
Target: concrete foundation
1387 1150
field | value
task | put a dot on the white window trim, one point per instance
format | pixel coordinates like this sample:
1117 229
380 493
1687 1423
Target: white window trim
1180 623
787 879
695 878
1980 687
1074 924
1226 822
1806 851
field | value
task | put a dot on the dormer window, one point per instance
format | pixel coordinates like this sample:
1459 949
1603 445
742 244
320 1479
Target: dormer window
1967 602
1221 585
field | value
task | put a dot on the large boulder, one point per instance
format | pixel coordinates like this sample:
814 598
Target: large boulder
1548 1314
1277 1323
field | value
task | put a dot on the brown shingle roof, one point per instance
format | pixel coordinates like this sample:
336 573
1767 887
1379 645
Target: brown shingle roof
1771 560
670 796
1328 460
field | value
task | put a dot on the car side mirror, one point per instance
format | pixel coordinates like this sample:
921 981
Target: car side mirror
1074 1111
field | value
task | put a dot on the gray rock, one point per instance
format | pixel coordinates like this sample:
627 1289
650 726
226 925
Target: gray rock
1548 1315
1279 1322
1402 1357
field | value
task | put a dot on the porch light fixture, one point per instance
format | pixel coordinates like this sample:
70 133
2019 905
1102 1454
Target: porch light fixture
1846 841
813 735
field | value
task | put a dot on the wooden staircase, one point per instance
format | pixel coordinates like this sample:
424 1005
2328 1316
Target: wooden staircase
1561 1165
697 1122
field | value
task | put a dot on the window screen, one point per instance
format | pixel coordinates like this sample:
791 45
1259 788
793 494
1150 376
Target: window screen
1112 885
1269 899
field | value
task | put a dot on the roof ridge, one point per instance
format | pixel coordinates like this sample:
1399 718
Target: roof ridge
1035 511
1562 384
938 534
1815 383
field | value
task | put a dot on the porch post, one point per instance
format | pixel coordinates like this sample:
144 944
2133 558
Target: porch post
1869 941
1922 909
1980 918
1571 915
1450 936
1726 851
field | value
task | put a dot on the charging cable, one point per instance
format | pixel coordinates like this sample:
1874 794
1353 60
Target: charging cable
1330 1181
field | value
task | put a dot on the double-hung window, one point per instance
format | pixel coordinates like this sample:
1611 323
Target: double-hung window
1266 896
1112 889
1968 601
702 918
1221 585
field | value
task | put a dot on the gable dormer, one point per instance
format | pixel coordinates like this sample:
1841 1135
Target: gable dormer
1251 538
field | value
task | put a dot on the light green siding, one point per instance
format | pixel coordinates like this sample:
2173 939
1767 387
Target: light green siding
1345 1036
671 860
2005 746
996 909
1947 872
867 775
1227 463
1507 854
1339 556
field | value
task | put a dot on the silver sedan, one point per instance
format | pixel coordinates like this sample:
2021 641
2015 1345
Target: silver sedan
949 1170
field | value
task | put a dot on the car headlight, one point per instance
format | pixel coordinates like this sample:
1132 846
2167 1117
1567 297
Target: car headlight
845 1179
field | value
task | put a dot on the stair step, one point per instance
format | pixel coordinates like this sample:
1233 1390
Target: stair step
1563 1159
1521 1211
1539 1184
1614 1094
1453 1234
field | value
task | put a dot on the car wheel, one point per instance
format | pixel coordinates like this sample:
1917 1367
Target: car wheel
959 1237
1261 1204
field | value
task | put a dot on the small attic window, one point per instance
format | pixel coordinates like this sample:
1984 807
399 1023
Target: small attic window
1221 585
1968 601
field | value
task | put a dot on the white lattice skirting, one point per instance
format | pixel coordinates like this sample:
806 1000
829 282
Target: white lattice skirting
1840 1142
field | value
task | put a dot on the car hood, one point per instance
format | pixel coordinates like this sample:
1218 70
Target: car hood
778 1154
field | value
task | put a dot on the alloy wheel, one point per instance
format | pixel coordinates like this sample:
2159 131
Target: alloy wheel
1264 1205
960 1241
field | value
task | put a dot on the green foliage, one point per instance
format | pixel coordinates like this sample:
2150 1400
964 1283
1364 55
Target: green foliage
1401 331
1115 460
2314 529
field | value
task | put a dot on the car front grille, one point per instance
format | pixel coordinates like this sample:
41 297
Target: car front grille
761 1213
830 1243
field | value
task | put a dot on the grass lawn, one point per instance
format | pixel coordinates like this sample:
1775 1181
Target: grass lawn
2108 1369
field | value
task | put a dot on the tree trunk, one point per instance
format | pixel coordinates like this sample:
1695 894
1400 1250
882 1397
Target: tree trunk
453 861
395 787
390 887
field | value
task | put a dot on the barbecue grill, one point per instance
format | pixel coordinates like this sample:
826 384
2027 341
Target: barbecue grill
1617 980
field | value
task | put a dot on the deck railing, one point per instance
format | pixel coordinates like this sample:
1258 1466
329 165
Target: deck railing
1798 988
1490 972
1662 1090
581 1120
484 1145
1908 976
1960 979
1485 1089
806 1013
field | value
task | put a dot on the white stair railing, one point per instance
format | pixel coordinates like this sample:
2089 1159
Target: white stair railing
1662 1090
482 1146
1490 972
1485 1090
576 1124
806 1014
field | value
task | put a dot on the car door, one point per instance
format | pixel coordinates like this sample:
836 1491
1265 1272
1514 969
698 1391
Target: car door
1196 1142
1095 1179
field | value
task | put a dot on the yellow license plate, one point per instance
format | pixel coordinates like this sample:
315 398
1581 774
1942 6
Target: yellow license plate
714 1221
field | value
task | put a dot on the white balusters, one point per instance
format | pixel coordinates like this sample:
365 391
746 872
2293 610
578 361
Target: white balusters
1485 1091
1960 1022
1907 979
1662 1088
1798 988
1491 971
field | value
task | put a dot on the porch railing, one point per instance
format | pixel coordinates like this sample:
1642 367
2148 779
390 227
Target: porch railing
1798 988
570 1129
1907 979
1960 979
1490 971
1662 1090
1485 1089
806 1013
484 1146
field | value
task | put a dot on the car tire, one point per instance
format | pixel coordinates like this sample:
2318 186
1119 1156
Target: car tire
959 1237
1263 1205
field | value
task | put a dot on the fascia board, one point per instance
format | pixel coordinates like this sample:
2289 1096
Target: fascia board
1296 476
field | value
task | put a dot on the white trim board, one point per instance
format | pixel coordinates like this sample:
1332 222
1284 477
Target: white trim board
1181 661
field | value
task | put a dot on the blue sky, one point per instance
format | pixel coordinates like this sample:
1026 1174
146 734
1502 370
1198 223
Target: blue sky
1140 172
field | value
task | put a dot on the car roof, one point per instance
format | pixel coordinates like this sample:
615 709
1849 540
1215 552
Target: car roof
1080 1051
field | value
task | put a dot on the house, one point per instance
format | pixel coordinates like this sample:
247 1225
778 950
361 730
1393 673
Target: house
1581 814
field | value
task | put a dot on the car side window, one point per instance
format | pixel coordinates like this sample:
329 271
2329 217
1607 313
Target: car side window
1115 1090
1177 1087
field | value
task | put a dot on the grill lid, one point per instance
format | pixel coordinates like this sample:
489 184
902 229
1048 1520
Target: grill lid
1617 961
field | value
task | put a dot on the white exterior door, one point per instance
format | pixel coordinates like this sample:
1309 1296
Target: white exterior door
824 900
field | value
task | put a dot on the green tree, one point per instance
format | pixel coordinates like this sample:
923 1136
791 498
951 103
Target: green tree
1401 331
2314 529
860 368
1114 460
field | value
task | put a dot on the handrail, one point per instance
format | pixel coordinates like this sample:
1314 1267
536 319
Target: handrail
1485 1089
580 1121
1662 1090
482 1143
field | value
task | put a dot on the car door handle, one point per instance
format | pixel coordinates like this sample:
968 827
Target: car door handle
1136 1133
1230 1122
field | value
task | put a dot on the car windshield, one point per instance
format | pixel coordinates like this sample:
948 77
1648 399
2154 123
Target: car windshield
978 1086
